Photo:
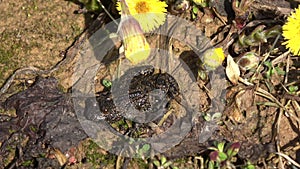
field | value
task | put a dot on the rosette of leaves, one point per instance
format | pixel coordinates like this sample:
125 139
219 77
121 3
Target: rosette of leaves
222 156
258 36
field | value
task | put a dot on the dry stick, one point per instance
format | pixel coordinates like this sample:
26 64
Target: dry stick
297 110
106 11
293 83
118 162
296 106
278 130
288 158
267 95
12 77
201 161
287 69
280 58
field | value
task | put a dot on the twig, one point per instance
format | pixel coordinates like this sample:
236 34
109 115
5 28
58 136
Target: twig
164 118
106 11
201 161
296 107
277 141
245 82
280 58
9 81
118 162
297 110
289 159
265 58
287 69
269 96
293 83
219 16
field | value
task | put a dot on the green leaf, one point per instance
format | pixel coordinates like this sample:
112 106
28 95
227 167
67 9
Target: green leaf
202 74
146 147
211 165
249 166
106 83
195 10
221 146
230 152
216 116
93 5
193 16
269 72
222 156
163 160
207 117
233 149
167 164
279 71
156 163
293 89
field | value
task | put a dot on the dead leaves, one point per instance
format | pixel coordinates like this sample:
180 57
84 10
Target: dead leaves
232 70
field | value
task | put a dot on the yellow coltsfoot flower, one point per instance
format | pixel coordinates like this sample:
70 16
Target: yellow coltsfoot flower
149 13
137 49
291 32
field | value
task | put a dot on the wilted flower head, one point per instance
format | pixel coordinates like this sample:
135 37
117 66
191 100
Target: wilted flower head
291 32
136 46
149 13
212 58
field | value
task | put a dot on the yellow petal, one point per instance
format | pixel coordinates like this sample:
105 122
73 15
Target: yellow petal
137 48
291 32
149 13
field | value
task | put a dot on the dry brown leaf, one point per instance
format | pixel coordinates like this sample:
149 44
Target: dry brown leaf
232 70
62 159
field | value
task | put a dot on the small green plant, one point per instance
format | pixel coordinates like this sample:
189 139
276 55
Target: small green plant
256 37
212 117
143 151
272 70
195 11
106 83
221 156
248 166
91 5
163 163
293 89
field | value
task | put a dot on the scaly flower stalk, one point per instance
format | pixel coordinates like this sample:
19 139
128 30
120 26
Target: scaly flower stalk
136 46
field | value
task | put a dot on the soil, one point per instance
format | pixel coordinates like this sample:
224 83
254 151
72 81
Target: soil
39 128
